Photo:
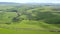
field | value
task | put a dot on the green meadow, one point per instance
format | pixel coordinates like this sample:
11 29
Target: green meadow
29 19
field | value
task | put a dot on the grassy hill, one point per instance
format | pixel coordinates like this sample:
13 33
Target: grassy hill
23 28
29 19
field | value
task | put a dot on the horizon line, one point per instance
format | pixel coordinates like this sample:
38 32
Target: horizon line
31 2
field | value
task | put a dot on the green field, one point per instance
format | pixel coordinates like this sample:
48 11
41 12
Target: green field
26 19
6 31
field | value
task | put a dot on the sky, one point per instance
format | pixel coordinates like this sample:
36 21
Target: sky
33 1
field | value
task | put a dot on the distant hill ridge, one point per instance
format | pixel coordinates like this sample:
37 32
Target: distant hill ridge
8 3
53 4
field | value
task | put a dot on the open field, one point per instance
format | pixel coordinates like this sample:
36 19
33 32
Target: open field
29 19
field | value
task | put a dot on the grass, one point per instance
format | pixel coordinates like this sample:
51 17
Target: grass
48 26
6 31
28 24
39 25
